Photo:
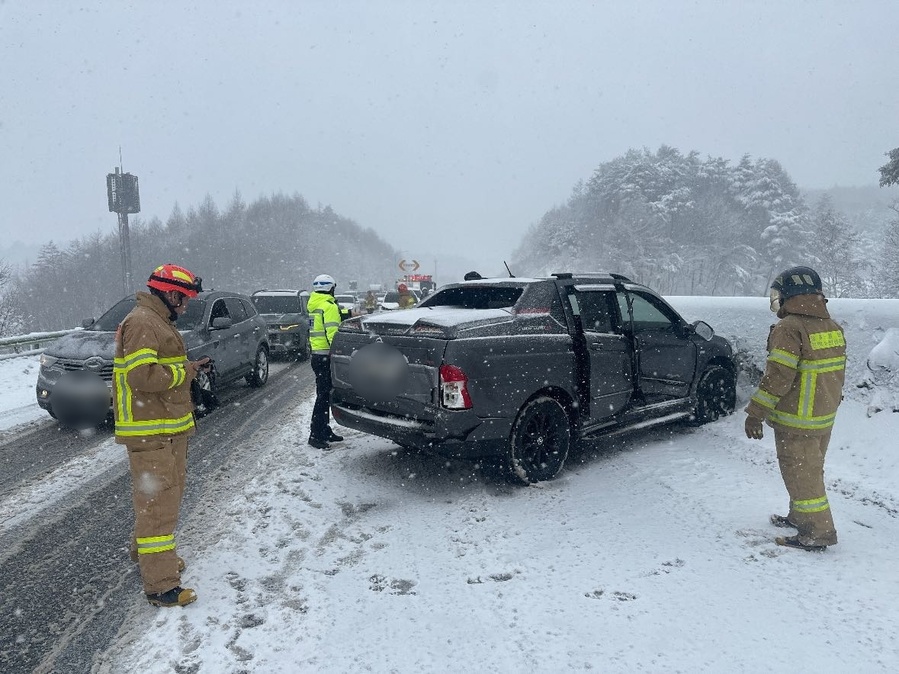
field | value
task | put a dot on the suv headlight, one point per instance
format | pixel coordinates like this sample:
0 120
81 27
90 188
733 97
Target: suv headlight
47 361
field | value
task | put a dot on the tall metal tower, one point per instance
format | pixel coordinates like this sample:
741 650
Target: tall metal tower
124 198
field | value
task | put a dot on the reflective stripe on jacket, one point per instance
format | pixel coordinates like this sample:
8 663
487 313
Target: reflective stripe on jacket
324 316
803 382
151 383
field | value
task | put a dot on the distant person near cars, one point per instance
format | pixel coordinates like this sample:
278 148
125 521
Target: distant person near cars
153 418
798 396
407 299
370 303
324 317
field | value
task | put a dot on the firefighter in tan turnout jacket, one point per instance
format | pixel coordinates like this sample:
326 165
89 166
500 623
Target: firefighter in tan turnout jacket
153 419
798 396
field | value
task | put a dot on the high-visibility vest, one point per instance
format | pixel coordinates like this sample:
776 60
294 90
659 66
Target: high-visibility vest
324 319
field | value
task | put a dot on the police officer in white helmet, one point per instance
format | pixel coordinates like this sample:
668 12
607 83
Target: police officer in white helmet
324 318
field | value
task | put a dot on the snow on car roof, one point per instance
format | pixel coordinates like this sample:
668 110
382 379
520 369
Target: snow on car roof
443 316
288 293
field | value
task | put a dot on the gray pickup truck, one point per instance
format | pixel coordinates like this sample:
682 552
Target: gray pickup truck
520 368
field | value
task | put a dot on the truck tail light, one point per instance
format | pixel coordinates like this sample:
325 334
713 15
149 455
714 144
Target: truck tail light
454 388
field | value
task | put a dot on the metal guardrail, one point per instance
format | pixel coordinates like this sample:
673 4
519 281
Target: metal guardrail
24 344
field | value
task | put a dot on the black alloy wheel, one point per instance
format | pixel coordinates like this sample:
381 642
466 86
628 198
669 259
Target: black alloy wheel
716 395
539 442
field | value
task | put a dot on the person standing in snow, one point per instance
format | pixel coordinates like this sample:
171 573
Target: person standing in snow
324 318
407 299
370 303
798 396
153 418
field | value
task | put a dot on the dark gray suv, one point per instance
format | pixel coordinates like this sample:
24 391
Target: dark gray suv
288 321
222 325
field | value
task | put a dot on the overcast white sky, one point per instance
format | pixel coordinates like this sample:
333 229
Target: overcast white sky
447 127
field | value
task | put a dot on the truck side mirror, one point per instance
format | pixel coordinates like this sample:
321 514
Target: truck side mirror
703 329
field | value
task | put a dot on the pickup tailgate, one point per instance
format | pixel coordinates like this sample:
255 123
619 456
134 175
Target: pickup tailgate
397 392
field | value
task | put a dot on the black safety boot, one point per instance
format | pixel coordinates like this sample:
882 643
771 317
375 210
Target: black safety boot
333 437
177 596
794 542
782 522
318 444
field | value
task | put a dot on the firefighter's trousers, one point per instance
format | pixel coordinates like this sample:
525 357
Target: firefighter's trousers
158 473
801 459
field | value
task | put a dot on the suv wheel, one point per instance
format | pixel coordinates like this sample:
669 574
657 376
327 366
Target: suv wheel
202 391
303 353
539 442
259 375
716 395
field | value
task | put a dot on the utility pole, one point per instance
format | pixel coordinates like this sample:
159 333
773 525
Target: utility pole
124 198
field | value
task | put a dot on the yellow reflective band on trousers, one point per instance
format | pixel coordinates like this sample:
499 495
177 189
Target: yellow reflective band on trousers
153 544
812 505
804 417
125 423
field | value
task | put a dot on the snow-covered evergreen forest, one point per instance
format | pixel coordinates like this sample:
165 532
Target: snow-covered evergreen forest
274 242
688 225
683 224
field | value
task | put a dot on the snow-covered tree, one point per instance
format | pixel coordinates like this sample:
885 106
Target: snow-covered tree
835 244
889 172
888 267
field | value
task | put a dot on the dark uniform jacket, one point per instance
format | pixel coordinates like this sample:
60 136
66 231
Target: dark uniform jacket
803 382
151 383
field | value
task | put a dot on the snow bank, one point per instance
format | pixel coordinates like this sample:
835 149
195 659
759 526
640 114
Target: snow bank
745 322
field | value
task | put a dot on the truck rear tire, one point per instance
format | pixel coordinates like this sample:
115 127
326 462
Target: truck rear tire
539 441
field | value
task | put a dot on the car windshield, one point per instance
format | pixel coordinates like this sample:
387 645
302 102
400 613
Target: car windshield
277 304
109 321
475 297
192 317
391 297
345 299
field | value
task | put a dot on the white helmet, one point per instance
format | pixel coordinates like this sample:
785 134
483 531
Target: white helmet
323 283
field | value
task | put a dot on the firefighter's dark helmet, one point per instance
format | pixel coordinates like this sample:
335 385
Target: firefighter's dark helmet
798 281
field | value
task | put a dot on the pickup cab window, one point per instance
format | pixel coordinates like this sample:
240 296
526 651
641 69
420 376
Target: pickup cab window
478 297
648 314
595 311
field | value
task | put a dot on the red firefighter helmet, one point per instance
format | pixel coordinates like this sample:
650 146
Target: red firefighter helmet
402 288
168 277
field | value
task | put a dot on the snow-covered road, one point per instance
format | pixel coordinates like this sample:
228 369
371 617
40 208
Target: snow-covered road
649 553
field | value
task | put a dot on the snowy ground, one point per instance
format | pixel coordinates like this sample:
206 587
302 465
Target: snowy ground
649 554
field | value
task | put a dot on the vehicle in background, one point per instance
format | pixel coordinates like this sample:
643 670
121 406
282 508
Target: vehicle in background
284 311
421 284
390 301
222 325
348 303
519 369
